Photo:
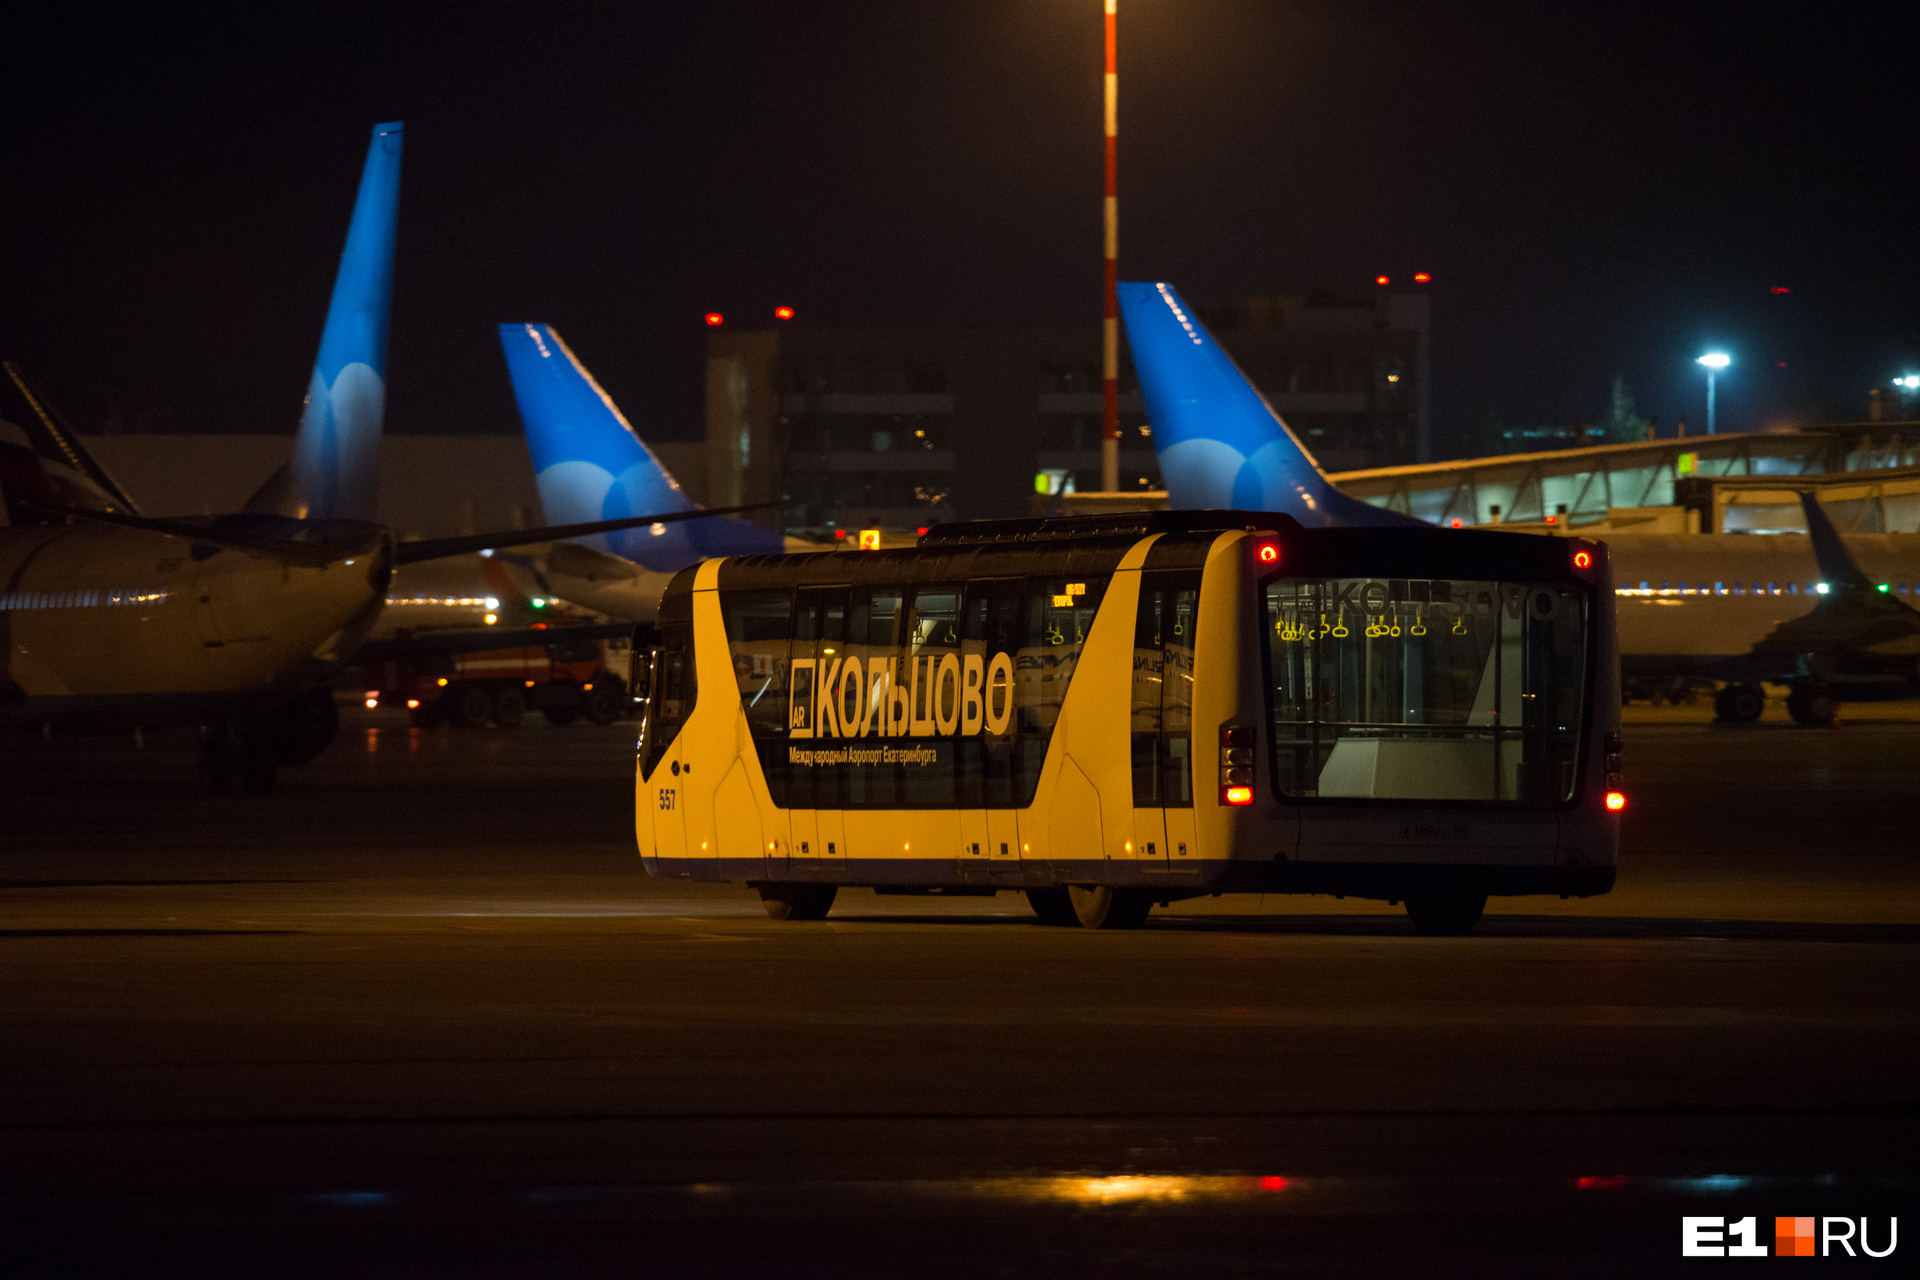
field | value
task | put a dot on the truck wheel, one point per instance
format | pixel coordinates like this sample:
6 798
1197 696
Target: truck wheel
470 706
509 707
798 901
1446 912
561 715
1811 705
1739 703
606 700
1101 906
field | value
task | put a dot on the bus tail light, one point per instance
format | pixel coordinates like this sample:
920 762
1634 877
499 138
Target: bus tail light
1616 801
1236 765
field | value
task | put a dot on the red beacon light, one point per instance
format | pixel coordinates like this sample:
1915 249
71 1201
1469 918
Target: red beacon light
1421 277
715 319
783 313
1616 801
1379 279
1456 523
1583 559
922 531
1267 553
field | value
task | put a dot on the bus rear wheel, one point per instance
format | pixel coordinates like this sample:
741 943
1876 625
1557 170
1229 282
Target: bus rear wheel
798 901
1101 906
1053 906
1446 912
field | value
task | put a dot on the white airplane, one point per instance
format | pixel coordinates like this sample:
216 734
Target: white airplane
1825 615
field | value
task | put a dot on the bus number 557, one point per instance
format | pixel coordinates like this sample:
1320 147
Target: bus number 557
666 797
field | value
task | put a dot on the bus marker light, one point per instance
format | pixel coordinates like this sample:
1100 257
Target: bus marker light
413 704
1583 559
372 703
1616 801
1237 796
1268 553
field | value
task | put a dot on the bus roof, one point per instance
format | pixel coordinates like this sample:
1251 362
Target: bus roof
1136 524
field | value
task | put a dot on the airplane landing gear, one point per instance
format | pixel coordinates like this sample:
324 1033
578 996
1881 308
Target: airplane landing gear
1739 703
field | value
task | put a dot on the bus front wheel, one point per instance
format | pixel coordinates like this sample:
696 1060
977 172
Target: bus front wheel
1101 906
1446 913
798 901
1053 906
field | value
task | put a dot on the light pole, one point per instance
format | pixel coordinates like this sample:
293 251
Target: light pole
1715 361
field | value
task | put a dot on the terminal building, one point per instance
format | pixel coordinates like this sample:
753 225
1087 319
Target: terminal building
903 428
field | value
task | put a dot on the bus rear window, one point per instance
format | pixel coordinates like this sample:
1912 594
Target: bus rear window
1426 690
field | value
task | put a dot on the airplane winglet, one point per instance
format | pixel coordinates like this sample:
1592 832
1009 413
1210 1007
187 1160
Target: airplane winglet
1837 565
1221 445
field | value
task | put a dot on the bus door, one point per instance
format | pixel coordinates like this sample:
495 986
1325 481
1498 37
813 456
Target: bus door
668 677
993 623
1162 718
933 670
826 694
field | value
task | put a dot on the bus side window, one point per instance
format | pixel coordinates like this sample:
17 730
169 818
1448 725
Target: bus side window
759 625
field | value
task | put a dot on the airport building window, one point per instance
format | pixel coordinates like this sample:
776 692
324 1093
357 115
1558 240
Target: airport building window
868 432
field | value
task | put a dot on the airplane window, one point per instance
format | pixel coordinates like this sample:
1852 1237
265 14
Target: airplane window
1773 588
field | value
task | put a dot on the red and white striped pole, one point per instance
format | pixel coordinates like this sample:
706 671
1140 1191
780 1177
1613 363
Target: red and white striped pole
1110 328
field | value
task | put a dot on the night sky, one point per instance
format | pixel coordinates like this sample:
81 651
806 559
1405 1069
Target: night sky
1597 193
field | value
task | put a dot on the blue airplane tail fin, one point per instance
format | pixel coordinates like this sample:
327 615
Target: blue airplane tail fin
1221 445
591 464
335 469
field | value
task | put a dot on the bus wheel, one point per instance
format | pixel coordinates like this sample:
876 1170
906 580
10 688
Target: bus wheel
1101 906
1053 906
1811 705
1739 703
1446 912
509 708
798 901
470 706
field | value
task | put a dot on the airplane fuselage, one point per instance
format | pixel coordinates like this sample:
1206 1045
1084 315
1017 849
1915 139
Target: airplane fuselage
1701 603
108 627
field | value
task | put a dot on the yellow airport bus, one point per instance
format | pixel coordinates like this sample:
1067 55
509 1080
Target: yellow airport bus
1109 712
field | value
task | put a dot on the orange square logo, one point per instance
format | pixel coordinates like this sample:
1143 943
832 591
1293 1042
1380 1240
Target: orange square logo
1793 1237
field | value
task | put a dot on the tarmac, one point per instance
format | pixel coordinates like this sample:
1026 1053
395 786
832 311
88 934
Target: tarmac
421 1013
